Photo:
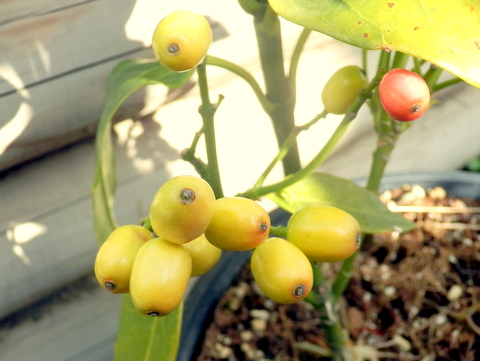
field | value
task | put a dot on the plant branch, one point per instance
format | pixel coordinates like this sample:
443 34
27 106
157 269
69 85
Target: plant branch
446 84
400 60
327 148
207 111
245 75
278 91
297 52
285 147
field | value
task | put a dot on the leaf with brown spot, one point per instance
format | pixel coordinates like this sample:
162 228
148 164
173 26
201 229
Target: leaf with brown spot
446 33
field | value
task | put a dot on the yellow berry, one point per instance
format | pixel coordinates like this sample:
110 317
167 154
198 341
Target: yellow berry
204 255
282 271
160 276
324 233
182 208
238 224
114 260
181 40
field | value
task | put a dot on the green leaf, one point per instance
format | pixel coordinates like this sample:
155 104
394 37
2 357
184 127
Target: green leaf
143 338
127 77
446 33
318 188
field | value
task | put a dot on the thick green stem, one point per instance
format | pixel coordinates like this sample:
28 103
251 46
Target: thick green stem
207 111
278 92
432 75
400 60
335 333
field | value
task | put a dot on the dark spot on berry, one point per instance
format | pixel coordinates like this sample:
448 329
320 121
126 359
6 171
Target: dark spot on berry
263 226
111 286
365 35
173 49
390 5
187 196
416 28
415 108
153 313
299 291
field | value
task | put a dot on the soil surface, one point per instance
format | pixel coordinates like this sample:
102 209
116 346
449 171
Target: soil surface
414 296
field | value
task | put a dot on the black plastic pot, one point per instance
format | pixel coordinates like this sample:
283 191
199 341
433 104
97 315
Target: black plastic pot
209 288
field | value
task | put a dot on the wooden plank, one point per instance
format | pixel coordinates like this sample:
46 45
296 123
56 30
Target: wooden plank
82 327
55 62
13 10
42 47
61 112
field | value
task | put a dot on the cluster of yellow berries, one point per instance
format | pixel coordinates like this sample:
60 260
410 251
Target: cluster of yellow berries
191 228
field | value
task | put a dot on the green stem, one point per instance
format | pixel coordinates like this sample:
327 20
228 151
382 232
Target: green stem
310 167
400 60
417 65
384 60
188 155
285 147
432 75
365 61
279 231
327 148
278 92
330 320
207 111
245 75
446 84
292 71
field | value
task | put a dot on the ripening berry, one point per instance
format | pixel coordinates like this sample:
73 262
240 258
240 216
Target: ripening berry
204 255
324 233
114 260
182 209
282 271
404 95
181 40
238 224
342 89
160 276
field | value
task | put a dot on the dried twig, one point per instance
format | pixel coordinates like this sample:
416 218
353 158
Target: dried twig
433 209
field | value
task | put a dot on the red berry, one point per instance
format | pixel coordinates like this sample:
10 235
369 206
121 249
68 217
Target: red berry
404 95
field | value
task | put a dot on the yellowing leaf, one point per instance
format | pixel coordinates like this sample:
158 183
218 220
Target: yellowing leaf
445 33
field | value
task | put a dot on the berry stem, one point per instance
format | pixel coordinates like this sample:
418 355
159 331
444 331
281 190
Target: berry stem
207 111
285 147
295 59
327 148
245 75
